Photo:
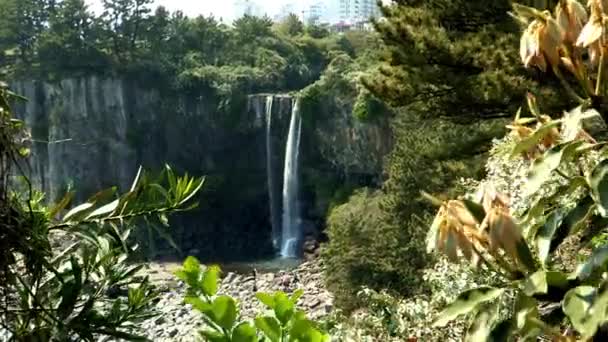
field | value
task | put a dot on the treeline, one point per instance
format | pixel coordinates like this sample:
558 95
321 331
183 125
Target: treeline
49 39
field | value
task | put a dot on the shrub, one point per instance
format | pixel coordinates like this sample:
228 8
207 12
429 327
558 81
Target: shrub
365 251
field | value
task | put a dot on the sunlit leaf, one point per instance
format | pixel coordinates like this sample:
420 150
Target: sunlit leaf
467 302
576 305
270 327
210 280
543 167
104 210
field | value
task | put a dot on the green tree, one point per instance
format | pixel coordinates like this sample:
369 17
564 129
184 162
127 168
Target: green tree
450 58
21 24
68 43
291 25
124 22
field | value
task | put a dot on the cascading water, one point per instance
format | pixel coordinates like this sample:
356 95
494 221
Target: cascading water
290 235
274 216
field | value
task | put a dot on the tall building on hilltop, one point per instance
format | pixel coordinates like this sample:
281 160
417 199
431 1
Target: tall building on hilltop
358 11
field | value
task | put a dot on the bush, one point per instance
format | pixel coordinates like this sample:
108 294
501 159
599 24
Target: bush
365 251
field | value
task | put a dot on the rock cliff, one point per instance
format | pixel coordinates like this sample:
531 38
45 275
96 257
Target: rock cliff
90 133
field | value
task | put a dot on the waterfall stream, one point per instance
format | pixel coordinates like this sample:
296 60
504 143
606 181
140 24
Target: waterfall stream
274 215
291 225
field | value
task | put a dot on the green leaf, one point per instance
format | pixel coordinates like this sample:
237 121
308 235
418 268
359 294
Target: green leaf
137 178
296 295
540 281
266 299
598 181
545 235
270 327
213 336
225 311
574 221
467 302
596 263
192 265
481 327
526 313
77 210
533 140
244 332
209 283
576 305
104 210
70 290
551 160
284 308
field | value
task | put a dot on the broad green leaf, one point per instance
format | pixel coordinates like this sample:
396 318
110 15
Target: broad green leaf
467 302
596 262
545 235
574 220
225 311
543 167
296 295
526 314
481 327
244 332
266 299
70 290
284 308
304 331
209 283
77 210
576 305
598 181
191 264
104 210
270 327
541 281
213 336
533 140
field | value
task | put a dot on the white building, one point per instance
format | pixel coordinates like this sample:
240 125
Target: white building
316 13
355 12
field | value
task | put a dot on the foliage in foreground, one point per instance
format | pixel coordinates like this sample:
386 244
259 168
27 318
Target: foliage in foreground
221 314
57 291
553 257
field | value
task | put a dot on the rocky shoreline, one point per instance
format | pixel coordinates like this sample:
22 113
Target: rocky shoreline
178 322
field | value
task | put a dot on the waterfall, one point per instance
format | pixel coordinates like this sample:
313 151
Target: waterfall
275 220
290 235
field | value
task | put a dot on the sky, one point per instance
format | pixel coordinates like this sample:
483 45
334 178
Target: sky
219 8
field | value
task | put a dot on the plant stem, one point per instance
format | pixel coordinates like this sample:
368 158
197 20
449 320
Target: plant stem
600 75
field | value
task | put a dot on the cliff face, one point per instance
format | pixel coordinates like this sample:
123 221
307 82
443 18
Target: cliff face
91 133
